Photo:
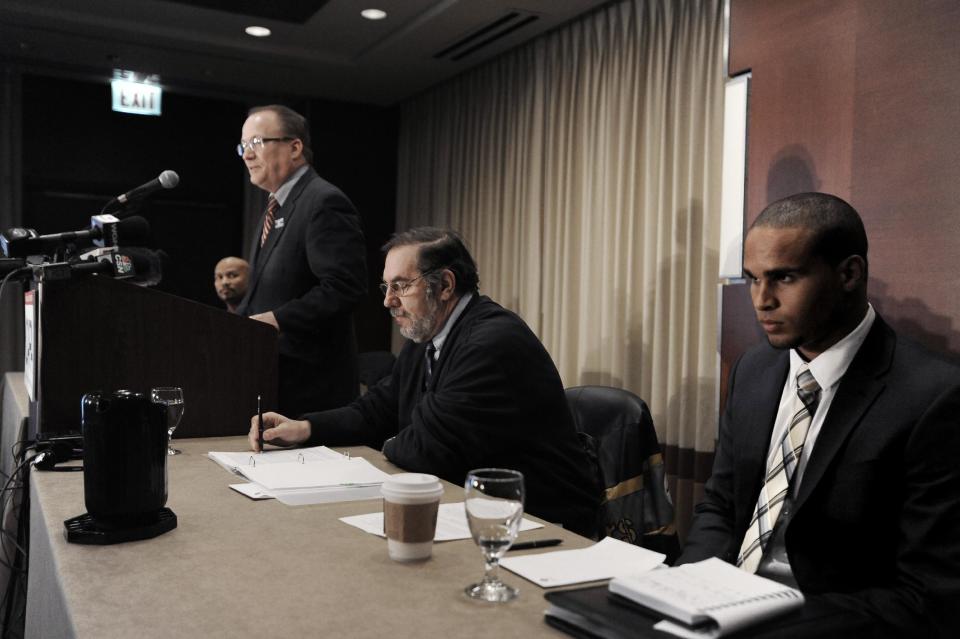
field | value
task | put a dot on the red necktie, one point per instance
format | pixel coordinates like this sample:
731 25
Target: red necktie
272 206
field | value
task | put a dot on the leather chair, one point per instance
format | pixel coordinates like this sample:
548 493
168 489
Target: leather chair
618 429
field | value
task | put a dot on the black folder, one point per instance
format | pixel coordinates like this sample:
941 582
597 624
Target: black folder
589 613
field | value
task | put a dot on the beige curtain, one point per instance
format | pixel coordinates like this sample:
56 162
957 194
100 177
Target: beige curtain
584 171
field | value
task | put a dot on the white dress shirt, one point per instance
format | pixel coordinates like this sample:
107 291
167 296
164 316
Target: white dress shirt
441 337
828 369
281 195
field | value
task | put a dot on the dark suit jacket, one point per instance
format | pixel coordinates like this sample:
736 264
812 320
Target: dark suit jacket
495 399
876 523
311 273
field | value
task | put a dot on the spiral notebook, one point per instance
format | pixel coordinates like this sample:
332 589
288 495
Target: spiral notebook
710 598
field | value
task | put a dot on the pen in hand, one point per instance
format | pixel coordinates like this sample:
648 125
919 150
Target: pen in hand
536 543
259 424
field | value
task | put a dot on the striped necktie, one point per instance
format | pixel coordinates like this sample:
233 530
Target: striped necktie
783 464
272 206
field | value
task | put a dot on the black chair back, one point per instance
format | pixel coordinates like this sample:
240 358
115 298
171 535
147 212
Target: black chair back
618 429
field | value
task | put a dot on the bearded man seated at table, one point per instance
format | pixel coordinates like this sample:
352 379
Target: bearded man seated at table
473 387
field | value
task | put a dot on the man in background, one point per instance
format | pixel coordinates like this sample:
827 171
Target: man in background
836 468
308 263
472 388
230 279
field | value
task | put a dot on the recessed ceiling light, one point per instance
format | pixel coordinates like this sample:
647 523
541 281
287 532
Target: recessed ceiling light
258 32
373 14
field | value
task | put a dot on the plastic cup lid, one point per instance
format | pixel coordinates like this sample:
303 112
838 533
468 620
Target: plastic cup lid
413 484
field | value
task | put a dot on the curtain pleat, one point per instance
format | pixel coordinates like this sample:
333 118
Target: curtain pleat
583 169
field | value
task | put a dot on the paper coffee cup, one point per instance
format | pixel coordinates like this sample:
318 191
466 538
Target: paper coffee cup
410 503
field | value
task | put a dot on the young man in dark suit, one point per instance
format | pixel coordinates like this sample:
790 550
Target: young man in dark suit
837 468
308 264
473 388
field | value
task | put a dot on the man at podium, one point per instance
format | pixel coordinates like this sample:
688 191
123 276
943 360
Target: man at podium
473 387
308 263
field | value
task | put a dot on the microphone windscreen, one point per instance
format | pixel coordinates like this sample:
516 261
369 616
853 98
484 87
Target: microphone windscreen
134 230
146 265
169 179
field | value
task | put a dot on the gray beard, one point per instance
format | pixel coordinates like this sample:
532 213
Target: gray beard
422 329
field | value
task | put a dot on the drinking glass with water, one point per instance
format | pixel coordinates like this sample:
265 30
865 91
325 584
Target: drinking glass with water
494 505
172 398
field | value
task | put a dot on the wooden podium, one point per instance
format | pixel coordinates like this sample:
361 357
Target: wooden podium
97 333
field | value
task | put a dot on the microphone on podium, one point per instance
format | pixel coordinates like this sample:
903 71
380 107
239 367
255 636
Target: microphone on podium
133 230
166 180
20 242
136 265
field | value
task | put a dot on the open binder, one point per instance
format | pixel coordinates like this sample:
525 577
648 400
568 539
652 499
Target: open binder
305 476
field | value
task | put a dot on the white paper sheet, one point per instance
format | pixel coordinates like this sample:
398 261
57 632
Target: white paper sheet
451 523
253 491
308 496
232 461
302 476
342 472
604 560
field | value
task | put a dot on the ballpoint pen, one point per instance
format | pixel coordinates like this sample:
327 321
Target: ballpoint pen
259 424
536 543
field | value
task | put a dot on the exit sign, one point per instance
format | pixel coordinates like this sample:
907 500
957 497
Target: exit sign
136 97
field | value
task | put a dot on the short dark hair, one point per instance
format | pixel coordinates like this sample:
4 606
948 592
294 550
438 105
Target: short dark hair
440 249
837 227
293 124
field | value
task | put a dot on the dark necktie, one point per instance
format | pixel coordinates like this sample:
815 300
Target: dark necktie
428 369
272 206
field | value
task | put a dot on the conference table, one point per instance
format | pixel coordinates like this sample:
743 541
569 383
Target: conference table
235 567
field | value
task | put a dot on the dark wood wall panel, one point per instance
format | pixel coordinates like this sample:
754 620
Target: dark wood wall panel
800 135
739 329
906 163
861 98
